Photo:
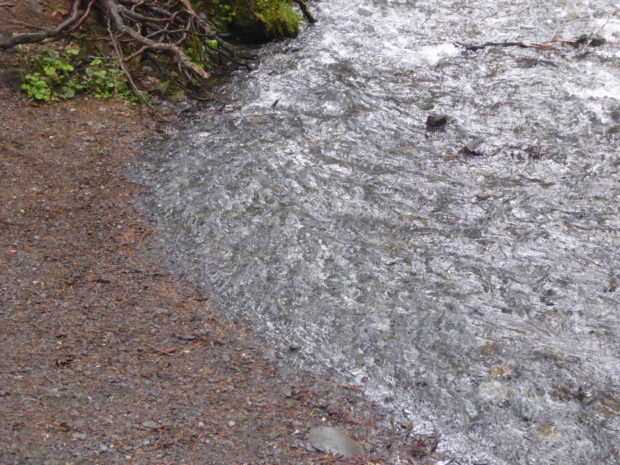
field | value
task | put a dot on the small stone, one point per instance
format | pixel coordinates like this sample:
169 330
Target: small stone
270 355
408 425
328 439
474 148
231 424
149 424
95 125
78 436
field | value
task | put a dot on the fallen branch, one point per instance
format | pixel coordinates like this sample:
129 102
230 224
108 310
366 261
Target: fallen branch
585 40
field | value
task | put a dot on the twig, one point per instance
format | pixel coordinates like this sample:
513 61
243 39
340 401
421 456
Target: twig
33 37
163 352
79 22
23 23
121 63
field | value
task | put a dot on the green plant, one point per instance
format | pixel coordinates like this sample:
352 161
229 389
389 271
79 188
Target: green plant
53 76
104 80
224 12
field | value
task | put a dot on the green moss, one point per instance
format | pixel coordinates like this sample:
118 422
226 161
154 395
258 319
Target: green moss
263 20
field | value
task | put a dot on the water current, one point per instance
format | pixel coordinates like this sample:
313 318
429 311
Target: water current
477 293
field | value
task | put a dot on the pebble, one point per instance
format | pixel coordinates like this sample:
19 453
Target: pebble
149 424
329 439
231 424
408 425
270 355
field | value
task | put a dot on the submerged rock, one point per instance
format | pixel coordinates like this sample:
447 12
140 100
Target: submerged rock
328 439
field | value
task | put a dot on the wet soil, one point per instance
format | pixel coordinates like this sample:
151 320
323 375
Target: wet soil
107 358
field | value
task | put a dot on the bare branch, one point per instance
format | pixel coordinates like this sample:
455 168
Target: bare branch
33 37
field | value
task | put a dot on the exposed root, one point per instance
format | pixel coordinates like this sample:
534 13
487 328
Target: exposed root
140 28
113 11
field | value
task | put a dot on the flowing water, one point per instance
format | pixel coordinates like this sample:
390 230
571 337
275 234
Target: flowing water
474 294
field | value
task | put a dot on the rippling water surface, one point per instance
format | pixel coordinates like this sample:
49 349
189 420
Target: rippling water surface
478 294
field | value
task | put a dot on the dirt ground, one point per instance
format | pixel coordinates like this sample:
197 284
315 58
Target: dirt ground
105 358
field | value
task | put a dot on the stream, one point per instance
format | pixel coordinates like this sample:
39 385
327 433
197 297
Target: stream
469 291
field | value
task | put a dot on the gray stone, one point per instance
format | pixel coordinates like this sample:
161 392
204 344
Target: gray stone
328 439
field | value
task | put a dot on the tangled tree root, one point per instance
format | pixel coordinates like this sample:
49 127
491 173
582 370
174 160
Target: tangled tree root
143 27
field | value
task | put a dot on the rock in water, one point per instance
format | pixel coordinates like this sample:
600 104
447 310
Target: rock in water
436 121
328 439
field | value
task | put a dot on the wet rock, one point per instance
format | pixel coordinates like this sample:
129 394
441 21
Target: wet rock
434 122
473 149
333 440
